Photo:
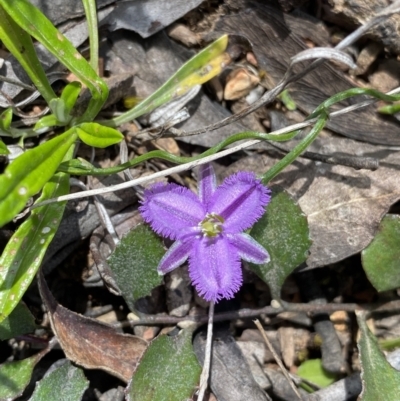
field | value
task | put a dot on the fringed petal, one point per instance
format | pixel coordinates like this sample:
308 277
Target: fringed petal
248 248
215 268
175 256
171 210
240 201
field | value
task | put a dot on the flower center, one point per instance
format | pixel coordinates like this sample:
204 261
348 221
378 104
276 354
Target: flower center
211 225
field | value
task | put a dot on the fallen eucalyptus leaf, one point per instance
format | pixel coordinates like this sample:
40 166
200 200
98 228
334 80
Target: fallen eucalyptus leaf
92 344
381 258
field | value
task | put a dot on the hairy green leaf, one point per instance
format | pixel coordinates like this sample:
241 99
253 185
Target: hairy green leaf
25 251
134 263
97 135
168 370
381 258
27 174
66 383
381 382
20 321
16 375
283 231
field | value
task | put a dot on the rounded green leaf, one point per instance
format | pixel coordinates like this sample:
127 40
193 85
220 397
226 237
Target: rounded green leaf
381 258
66 383
97 135
15 376
283 231
168 370
134 263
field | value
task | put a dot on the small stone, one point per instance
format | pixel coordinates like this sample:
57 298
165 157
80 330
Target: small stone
239 83
387 76
181 33
366 57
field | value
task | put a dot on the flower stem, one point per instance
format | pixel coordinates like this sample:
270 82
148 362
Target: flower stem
207 358
297 150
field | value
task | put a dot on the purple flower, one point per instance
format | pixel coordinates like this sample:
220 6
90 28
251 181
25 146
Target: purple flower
208 228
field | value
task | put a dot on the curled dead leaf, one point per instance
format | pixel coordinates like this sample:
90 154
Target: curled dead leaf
92 344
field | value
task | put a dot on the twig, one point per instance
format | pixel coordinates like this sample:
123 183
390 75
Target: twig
393 306
277 359
207 358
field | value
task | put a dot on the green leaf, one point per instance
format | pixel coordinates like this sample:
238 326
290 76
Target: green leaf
134 263
70 95
62 106
27 174
3 148
20 45
15 376
381 382
66 383
97 135
381 258
283 231
45 122
24 13
25 251
5 119
20 321
168 370
313 371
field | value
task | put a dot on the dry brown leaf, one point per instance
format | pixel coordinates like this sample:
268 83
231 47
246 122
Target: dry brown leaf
90 343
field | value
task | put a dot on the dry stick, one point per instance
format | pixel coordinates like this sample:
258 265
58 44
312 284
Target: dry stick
277 359
393 306
207 358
